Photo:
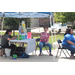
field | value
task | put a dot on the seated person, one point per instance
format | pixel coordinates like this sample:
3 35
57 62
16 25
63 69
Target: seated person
69 41
44 38
5 40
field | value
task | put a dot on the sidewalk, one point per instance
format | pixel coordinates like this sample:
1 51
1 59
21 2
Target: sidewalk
33 58
36 58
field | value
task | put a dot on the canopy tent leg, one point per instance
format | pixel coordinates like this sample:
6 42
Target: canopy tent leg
54 30
52 37
2 26
51 30
19 22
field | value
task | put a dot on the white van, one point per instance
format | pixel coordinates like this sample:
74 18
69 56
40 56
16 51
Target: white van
58 27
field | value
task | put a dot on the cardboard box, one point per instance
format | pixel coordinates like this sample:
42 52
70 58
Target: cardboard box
1 52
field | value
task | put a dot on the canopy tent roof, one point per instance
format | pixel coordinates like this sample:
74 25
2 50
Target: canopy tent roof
26 14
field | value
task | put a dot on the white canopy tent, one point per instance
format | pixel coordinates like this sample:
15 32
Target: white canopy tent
27 15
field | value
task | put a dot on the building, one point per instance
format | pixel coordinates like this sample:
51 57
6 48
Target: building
40 22
44 22
34 22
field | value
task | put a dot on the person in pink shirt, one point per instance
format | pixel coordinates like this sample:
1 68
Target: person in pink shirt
44 38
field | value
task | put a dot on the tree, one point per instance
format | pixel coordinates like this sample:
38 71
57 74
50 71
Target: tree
58 17
13 23
64 17
69 16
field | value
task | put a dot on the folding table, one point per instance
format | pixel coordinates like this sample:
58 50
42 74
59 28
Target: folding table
31 44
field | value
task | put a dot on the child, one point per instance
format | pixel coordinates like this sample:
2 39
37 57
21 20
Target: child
44 38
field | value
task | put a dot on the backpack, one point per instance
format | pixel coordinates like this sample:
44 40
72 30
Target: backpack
23 55
20 52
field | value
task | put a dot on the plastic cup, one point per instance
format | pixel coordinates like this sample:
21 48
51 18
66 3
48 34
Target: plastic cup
29 35
20 37
25 36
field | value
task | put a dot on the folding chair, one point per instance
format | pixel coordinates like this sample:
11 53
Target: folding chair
37 45
61 48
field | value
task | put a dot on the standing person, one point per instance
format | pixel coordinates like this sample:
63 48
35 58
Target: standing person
44 38
5 41
69 41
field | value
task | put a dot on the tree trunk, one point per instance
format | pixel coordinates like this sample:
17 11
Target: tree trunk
72 25
13 32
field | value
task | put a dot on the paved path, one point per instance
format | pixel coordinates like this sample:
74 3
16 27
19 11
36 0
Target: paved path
33 58
36 58
62 58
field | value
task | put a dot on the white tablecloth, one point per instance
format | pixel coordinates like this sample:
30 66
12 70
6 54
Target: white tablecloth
31 44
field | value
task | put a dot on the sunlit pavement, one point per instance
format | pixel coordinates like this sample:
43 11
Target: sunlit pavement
36 58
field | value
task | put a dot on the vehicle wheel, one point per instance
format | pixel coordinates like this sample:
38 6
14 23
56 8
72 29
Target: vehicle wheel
56 31
59 30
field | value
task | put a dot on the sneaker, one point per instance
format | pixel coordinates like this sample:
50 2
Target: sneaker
50 54
72 57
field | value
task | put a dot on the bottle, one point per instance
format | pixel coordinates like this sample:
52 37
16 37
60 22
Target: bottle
18 36
23 37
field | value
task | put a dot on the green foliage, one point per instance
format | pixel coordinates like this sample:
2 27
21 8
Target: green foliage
69 16
13 23
64 17
58 17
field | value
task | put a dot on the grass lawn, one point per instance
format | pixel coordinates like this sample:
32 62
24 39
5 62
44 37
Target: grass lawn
73 29
59 36
16 33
